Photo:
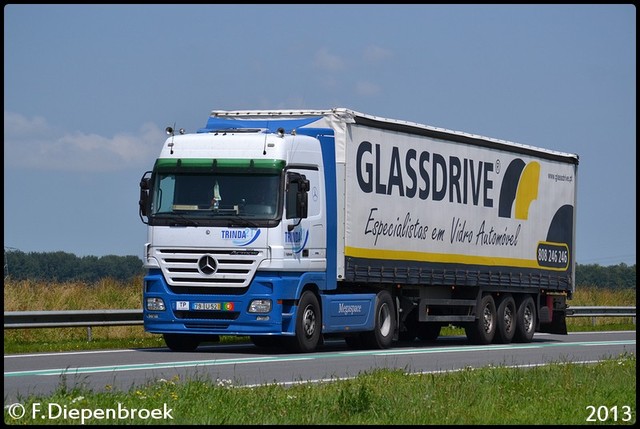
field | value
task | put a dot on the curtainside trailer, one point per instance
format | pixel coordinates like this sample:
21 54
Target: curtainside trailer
292 226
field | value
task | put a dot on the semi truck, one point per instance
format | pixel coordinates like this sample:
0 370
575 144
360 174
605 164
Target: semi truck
290 227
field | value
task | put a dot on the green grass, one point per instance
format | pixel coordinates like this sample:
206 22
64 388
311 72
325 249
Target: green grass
560 393
111 294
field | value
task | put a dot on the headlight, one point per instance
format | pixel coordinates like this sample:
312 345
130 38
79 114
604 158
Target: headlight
155 304
260 306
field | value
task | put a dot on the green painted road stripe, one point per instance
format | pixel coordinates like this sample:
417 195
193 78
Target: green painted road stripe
388 352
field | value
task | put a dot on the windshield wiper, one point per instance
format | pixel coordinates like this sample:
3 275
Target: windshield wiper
179 219
237 217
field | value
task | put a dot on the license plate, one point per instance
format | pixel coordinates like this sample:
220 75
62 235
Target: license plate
206 306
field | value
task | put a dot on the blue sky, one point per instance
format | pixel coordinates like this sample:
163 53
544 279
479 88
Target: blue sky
89 90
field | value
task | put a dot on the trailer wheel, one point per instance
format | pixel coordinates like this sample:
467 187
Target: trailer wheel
384 325
182 342
525 321
308 325
506 327
483 329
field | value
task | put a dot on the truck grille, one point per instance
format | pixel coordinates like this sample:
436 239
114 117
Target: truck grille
210 268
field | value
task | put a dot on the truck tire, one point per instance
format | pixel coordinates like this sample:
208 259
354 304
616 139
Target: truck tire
182 342
483 329
385 323
308 325
525 321
506 328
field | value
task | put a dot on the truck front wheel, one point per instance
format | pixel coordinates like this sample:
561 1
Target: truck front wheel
385 323
308 325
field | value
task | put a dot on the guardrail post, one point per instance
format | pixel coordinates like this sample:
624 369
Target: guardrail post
89 337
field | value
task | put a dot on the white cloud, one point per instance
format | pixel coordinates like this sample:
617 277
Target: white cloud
33 143
327 61
367 88
376 54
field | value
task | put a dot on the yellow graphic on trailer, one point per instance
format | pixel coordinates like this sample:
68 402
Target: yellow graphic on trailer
527 190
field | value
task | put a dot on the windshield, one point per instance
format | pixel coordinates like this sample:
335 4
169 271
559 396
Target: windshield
222 197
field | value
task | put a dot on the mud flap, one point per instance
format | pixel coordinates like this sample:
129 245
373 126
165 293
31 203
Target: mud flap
558 324
553 316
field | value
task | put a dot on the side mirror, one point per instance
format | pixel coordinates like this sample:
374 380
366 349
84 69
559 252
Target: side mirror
144 202
297 196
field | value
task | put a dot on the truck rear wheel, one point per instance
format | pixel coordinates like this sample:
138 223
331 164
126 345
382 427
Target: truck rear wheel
525 321
506 328
308 325
182 342
384 325
483 329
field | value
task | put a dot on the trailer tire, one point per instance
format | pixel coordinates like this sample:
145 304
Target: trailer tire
384 325
308 325
525 321
483 329
507 320
182 342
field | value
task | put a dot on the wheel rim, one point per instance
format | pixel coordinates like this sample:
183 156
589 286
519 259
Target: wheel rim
385 320
508 319
309 321
488 319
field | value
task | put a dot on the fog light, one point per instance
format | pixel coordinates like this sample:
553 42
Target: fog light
155 304
260 306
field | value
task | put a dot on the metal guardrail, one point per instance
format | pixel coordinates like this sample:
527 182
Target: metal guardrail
88 318
596 311
70 318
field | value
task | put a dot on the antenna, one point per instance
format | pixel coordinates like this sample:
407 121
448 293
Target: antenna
170 131
264 146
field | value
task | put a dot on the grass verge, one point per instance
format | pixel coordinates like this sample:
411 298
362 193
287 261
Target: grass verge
559 393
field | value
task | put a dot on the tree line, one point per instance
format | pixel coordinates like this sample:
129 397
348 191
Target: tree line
67 267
